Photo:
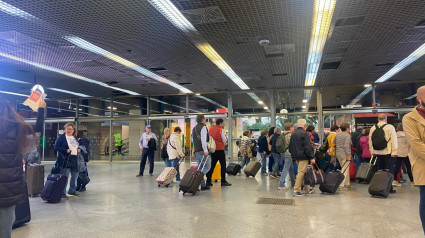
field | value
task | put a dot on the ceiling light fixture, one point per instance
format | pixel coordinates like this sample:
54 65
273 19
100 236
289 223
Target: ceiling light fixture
322 16
66 73
304 106
305 100
95 49
367 85
14 11
198 94
13 80
419 52
260 102
266 108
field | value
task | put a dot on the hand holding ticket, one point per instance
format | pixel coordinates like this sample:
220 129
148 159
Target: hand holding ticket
36 99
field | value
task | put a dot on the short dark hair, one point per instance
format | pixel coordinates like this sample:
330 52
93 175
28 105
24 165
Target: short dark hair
246 132
310 128
344 126
367 131
288 126
219 121
334 127
199 118
271 131
177 129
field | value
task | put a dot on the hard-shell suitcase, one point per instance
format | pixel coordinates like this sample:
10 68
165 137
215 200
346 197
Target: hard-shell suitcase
333 180
22 213
353 171
233 168
34 177
216 175
192 179
381 184
366 171
53 189
166 176
252 168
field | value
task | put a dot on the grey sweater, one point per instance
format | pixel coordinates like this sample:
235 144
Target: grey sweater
343 144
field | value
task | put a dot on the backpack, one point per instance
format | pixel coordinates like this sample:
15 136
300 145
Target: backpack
378 138
281 145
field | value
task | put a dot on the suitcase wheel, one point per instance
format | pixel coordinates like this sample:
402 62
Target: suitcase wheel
159 185
167 185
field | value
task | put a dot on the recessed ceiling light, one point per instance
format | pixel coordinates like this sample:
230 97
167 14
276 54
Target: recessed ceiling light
260 102
367 85
198 94
305 101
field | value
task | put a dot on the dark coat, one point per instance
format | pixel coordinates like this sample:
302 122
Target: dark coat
12 186
86 143
300 145
64 160
262 144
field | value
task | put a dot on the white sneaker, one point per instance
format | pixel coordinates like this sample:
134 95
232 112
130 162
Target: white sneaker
396 184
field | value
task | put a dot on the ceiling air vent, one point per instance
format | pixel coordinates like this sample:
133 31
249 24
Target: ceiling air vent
331 65
350 21
384 64
155 69
111 83
118 93
279 75
185 83
88 63
204 15
421 24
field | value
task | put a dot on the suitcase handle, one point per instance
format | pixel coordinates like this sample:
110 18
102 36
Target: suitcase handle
371 159
347 166
206 157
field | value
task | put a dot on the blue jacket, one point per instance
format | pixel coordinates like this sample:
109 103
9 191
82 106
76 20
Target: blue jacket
262 144
316 137
64 160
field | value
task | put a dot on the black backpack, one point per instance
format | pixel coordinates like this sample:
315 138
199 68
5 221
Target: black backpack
378 138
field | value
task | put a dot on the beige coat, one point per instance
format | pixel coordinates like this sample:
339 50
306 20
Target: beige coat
174 147
414 128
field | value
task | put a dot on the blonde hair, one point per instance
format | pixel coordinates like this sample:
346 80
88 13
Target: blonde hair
166 132
69 124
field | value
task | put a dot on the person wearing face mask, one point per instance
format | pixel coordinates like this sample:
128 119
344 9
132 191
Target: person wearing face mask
414 129
67 147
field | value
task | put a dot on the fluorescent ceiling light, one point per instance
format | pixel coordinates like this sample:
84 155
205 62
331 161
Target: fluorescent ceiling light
14 11
260 102
66 73
95 49
198 94
304 106
305 101
173 14
16 94
419 52
13 80
266 108
69 92
367 85
322 16
114 108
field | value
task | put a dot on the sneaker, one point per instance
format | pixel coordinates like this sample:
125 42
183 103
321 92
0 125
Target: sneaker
396 184
205 188
402 181
226 184
282 188
273 175
74 194
264 174
342 189
139 175
348 187
310 190
209 184
298 194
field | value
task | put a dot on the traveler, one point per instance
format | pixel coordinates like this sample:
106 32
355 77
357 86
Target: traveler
147 145
364 146
355 141
163 147
83 141
402 155
302 152
414 128
245 148
217 133
263 148
383 144
331 146
174 150
67 147
200 140
313 134
288 162
343 153
271 159
275 153
14 131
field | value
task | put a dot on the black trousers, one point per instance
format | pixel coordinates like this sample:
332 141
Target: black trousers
218 155
386 162
406 161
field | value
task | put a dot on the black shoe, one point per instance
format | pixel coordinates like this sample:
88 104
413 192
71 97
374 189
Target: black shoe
226 184
78 189
393 191
73 194
209 184
205 188
82 189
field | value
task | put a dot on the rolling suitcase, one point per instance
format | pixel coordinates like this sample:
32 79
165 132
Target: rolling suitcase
366 171
53 189
191 180
167 175
233 168
252 168
333 180
22 212
381 184
216 175
353 171
34 177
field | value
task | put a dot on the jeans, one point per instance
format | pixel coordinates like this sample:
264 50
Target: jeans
287 168
146 154
277 158
218 156
167 162
245 161
422 205
406 161
7 218
302 168
205 166
175 163
73 180
263 163
359 161
271 163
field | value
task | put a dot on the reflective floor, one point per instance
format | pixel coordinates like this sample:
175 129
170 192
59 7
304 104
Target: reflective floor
117 204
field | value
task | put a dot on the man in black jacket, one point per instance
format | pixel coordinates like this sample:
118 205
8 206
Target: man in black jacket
302 152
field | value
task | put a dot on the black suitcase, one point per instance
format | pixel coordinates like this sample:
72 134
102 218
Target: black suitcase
333 180
22 212
53 189
233 168
381 184
366 171
252 168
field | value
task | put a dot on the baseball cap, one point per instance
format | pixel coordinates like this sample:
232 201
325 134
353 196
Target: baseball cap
148 126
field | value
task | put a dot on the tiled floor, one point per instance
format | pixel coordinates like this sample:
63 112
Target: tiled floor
117 204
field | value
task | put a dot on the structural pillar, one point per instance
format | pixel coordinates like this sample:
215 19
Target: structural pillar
272 109
374 95
77 113
148 109
230 125
43 136
110 129
187 103
320 115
